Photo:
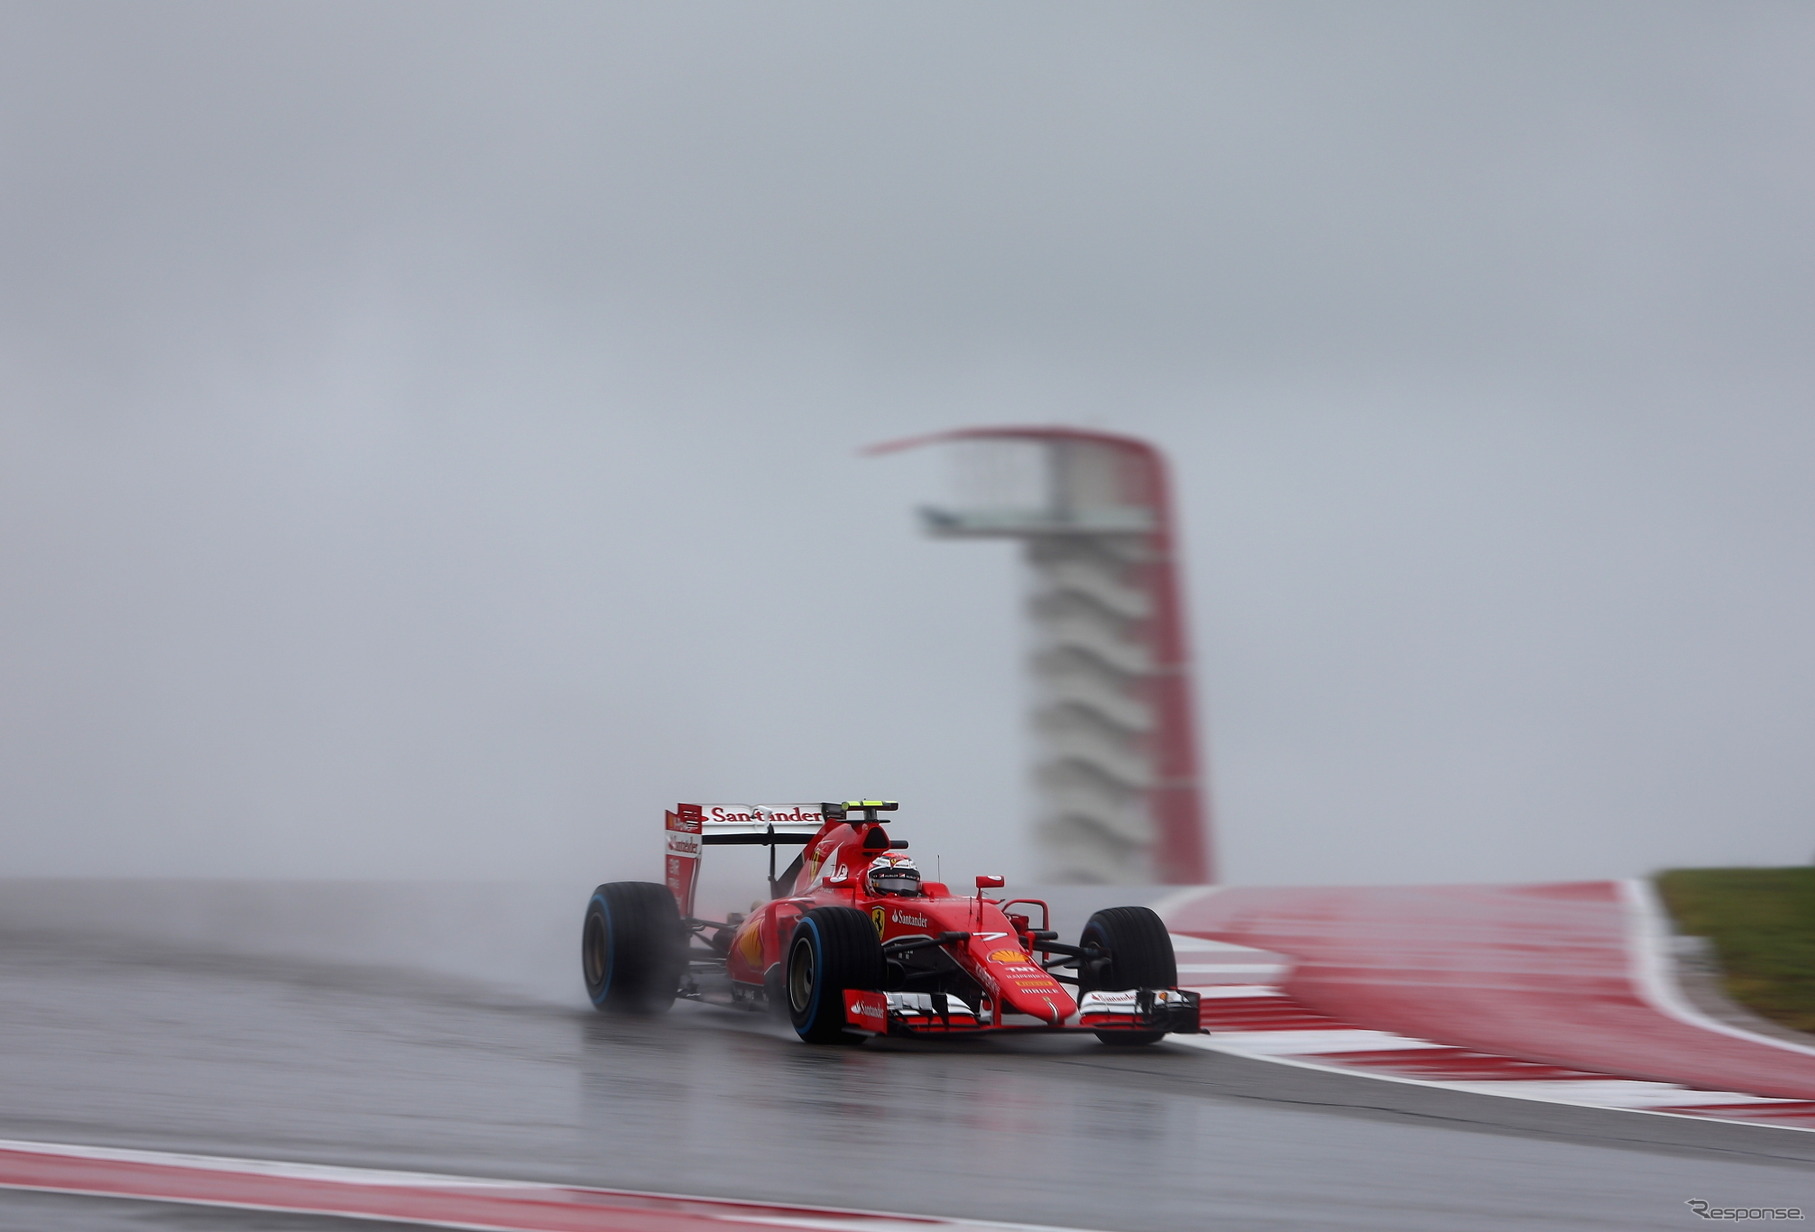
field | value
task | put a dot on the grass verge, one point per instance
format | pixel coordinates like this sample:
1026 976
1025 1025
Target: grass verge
1761 922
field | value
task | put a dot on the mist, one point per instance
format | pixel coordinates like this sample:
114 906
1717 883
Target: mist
429 433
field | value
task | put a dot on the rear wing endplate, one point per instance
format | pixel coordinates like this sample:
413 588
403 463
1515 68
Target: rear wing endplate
692 827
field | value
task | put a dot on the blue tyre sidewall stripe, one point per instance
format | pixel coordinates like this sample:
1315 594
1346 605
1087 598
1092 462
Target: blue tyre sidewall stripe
605 982
819 982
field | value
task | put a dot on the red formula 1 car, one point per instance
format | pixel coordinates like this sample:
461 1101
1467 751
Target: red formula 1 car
852 943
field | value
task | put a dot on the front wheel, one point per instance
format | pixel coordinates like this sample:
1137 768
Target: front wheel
1136 952
833 950
632 948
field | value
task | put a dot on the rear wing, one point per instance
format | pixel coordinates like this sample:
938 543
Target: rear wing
743 824
693 827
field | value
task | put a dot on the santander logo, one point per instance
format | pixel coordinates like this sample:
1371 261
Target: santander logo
756 812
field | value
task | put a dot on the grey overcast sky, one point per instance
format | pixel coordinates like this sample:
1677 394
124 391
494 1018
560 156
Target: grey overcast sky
428 431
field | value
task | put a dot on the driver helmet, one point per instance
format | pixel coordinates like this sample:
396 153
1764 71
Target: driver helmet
892 874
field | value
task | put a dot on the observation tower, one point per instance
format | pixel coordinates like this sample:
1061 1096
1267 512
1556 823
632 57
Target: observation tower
1115 767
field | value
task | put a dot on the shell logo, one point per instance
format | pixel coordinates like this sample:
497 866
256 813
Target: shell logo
750 945
1007 956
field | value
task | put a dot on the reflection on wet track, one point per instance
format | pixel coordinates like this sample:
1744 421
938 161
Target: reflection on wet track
282 1059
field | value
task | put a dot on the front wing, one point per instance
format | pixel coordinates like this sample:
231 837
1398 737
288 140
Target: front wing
1171 1010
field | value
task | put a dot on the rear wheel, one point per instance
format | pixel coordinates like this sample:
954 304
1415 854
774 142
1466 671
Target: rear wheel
833 950
632 948
1136 953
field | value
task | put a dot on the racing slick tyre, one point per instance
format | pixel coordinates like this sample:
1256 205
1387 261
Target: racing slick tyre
632 948
833 949
1138 954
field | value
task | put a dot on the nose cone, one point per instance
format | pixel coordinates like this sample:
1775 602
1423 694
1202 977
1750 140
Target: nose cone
1026 988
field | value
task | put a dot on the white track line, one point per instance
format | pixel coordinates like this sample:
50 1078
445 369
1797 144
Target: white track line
1617 1094
333 1190
1648 940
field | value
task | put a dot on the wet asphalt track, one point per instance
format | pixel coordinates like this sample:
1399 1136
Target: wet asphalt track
109 1043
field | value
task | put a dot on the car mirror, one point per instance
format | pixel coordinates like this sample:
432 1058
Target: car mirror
990 881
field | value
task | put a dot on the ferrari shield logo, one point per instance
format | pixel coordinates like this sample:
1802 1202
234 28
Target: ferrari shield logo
876 917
